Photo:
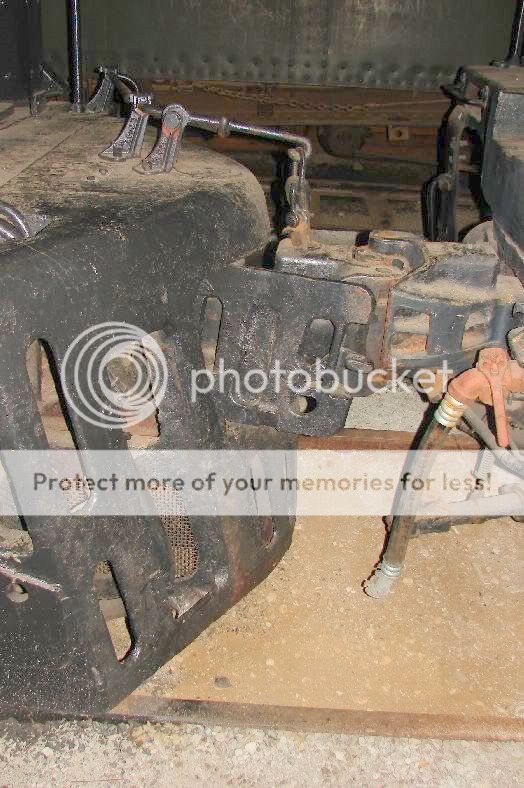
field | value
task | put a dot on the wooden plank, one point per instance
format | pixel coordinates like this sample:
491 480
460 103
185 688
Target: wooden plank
383 440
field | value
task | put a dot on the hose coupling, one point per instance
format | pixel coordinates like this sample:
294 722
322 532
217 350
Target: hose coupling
382 580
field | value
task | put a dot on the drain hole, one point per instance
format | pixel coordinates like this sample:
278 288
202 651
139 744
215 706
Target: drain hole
303 405
45 382
14 537
476 330
411 333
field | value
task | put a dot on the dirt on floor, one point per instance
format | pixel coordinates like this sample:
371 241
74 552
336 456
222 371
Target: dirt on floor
99 754
308 635
446 641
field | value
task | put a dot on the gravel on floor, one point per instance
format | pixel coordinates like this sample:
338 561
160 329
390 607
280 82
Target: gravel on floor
100 754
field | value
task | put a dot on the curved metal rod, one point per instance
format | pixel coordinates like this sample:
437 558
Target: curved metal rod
16 217
7 232
126 78
224 127
126 87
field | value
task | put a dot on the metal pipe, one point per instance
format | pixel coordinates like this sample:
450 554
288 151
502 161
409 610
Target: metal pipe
75 55
380 583
388 571
433 439
16 218
272 134
7 232
225 126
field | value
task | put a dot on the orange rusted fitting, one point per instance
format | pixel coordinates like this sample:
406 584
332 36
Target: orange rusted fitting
490 381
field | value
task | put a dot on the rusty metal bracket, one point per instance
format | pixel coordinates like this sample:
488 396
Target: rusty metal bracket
163 156
128 144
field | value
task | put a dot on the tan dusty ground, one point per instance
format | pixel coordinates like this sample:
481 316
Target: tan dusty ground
101 755
448 640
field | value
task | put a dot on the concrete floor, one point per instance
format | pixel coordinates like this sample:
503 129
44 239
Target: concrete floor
97 754
388 410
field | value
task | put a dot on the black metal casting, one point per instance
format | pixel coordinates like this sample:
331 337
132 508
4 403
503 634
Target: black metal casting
152 251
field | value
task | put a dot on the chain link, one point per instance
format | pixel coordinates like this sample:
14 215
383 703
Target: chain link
306 105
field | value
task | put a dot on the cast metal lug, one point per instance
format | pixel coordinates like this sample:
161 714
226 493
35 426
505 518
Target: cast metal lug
163 156
128 144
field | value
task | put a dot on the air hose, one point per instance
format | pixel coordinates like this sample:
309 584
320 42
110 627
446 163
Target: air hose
388 570
448 414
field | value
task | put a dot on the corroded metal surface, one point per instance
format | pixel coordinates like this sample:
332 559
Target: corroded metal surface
89 263
406 44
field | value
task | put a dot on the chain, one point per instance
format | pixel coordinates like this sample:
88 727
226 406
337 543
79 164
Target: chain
292 104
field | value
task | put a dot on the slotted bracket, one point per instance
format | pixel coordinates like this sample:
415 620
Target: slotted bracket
163 156
128 144
101 99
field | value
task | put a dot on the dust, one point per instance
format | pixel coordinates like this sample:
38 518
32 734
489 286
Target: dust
72 753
